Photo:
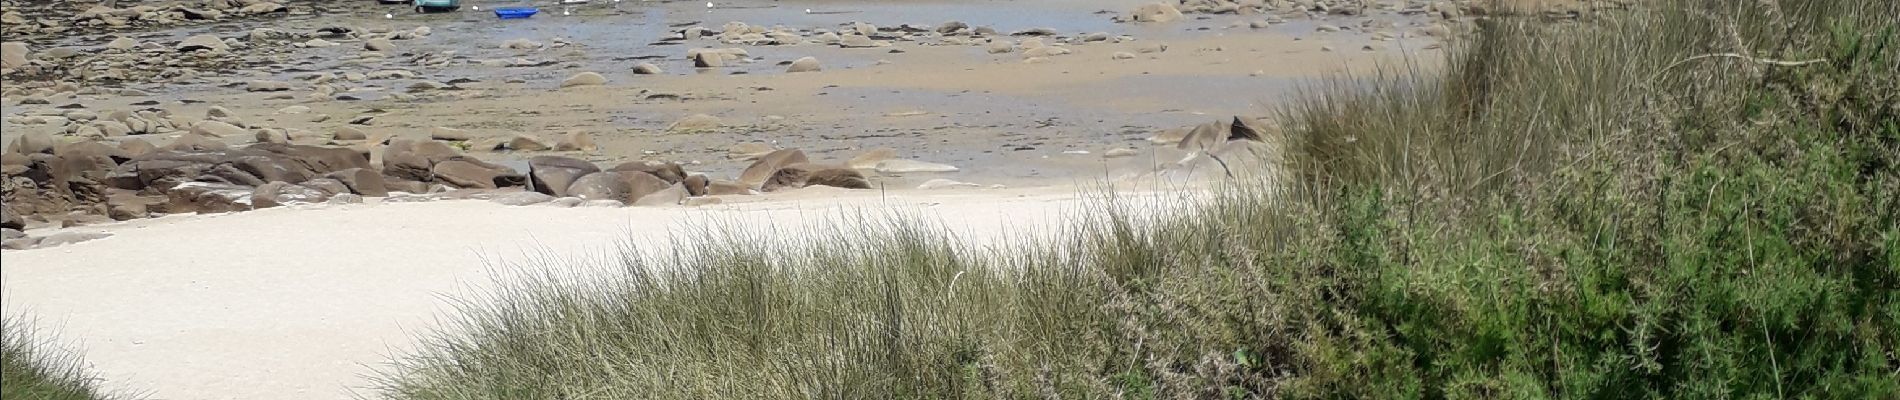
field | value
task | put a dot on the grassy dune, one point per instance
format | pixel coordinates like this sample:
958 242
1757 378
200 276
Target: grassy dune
34 367
1696 199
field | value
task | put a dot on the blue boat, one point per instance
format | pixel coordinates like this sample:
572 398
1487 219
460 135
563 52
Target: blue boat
515 12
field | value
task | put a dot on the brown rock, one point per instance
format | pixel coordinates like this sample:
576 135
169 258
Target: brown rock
762 170
207 197
806 174
470 173
362 181
696 185
553 174
670 172
622 186
413 160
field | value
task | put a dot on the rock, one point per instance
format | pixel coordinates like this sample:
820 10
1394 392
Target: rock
361 181
203 42
348 133
262 8
695 122
318 43
414 160
469 173
806 174
10 234
136 147
584 79
553 174
20 244
378 44
671 196
13 54
623 186
266 86
281 194
526 143
708 60
1045 51
807 64
345 198
272 136
1095 37
701 201
293 110
1001 47
748 150
576 141
565 202
946 184
863 28
216 129
1123 55
32 142
123 43
66 238
696 185
1120 152
902 166
858 41
521 44
647 69
1154 12
10 219
728 189
670 172
762 170
869 159
449 134
603 204
329 187
207 197
952 26
521 198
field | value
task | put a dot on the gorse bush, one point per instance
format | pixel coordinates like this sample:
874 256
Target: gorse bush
33 367
1694 199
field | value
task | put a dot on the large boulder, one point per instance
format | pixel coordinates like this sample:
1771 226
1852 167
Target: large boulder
32 142
249 166
469 173
413 160
762 170
553 174
807 174
622 186
668 171
362 181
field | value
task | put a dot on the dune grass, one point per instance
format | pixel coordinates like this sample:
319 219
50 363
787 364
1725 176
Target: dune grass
33 366
1696 199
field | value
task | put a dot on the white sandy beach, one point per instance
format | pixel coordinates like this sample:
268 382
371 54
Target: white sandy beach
291 303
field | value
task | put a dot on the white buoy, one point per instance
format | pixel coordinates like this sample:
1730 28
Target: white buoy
808 11
709 5
565 11
477 8
389 16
